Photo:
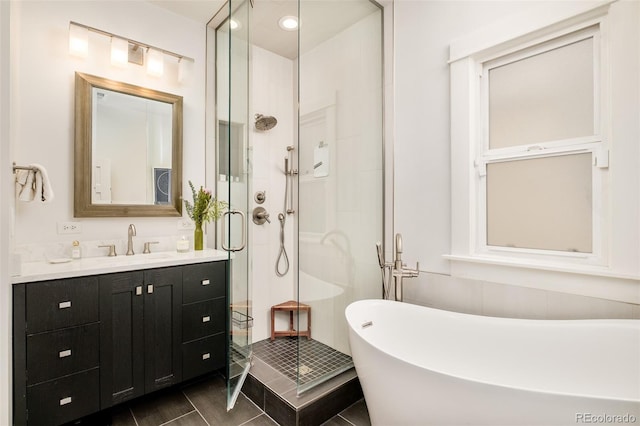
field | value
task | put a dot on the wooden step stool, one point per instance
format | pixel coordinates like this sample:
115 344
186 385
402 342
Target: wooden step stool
291 306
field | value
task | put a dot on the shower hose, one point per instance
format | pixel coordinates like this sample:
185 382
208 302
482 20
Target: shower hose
282 255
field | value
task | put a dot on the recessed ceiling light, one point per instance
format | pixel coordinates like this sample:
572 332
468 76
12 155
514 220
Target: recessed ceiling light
288 23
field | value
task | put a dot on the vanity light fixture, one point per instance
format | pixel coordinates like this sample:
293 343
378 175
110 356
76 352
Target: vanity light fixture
119 52
78 41
288 23
125 50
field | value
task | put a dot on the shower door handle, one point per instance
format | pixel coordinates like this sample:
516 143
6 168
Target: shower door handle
224 230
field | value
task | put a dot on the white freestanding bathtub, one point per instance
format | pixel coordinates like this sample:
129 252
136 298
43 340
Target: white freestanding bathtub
422 366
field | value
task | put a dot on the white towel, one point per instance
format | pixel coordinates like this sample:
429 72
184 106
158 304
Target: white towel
43 190
33 184
25 190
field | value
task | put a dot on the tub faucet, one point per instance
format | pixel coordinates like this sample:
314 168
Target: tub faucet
130 234
400 271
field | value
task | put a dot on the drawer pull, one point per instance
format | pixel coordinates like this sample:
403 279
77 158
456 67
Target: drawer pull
206 356
205 282
149 288
64 305
65 401
206 319
64 354
139 290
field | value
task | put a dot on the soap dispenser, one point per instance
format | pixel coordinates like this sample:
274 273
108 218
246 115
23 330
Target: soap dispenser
76 253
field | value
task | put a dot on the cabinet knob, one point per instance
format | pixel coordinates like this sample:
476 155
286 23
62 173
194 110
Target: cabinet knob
149 288
64 305
139 290
64 354
205 282
65 401
206 356
206 318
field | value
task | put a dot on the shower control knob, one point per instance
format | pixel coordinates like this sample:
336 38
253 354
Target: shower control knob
260 197
260 216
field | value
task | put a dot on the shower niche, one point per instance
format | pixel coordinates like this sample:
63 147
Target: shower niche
230 156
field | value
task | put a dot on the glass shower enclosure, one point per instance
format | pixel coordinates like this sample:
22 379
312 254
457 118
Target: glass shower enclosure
318 165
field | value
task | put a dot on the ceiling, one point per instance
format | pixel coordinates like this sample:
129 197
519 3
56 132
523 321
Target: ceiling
319 20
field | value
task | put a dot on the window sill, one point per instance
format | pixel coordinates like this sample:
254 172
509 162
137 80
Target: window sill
585 280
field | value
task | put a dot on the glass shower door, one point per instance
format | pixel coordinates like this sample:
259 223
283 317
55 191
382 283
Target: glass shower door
340 176
234 181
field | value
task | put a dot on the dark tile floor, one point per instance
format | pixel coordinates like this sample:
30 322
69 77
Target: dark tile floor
204 403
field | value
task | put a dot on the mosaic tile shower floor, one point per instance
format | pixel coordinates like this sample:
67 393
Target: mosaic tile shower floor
316 359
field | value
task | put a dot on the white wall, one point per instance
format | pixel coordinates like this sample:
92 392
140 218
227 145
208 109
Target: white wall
43 104
423 32
272 93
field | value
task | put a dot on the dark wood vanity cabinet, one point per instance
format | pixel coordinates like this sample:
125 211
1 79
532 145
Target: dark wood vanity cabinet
86 344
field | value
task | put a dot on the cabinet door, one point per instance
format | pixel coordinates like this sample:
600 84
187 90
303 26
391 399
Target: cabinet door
162 327
121 337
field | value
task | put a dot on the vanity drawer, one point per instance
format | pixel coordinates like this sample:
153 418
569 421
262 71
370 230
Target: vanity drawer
65 399
203 318
61 303
203 356
203 281
59 353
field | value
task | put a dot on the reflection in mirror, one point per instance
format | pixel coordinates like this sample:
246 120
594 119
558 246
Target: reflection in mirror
129 132
129 142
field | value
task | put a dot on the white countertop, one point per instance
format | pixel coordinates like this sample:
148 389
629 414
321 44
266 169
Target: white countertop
44 270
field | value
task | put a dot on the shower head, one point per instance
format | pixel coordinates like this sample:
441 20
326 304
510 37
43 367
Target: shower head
265 122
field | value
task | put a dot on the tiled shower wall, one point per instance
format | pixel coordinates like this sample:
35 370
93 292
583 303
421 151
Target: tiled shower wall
499 300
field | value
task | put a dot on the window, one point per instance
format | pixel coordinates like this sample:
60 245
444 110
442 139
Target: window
544 150
541 157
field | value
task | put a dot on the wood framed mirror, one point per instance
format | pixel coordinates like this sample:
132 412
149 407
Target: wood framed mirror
128 150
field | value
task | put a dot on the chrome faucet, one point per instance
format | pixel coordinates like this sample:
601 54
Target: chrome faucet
400 271
130 234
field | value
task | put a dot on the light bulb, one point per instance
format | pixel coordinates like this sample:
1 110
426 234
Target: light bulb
288 23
